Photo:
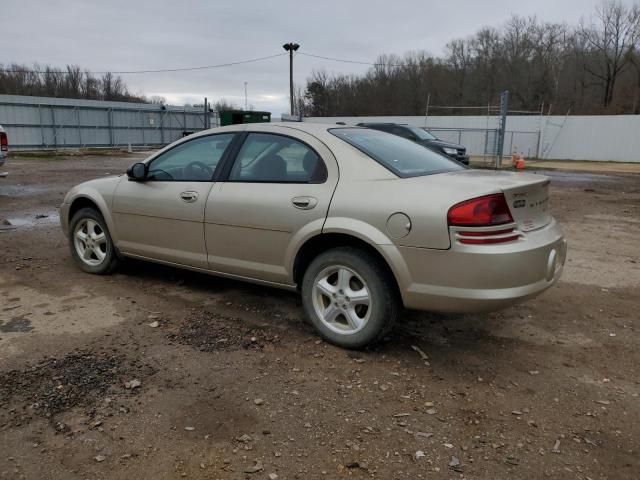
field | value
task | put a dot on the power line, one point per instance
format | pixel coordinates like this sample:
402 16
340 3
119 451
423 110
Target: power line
161 70
206 67
357 62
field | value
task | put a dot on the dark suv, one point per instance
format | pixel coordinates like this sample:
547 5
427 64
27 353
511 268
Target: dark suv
424 138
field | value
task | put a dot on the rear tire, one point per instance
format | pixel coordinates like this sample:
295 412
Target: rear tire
349 297
90 243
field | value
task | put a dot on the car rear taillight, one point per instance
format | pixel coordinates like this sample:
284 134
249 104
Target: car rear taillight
4 142
480 212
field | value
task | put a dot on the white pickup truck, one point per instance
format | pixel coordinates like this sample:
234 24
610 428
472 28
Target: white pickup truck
4 145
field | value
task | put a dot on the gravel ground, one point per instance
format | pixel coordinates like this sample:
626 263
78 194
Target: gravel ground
154 372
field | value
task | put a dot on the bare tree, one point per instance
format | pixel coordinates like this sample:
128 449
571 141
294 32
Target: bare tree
635 61
90 87
224 104
158 100
550 42
299 101
51 80
70 82
611 37
460 60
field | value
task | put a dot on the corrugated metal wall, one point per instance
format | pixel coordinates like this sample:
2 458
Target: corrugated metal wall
47 123
581 137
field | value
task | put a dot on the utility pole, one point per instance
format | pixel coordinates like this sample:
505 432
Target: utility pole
245 96
426 111
205 119
291 47
504 109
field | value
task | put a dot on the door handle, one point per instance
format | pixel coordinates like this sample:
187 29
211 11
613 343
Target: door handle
189 197
304 203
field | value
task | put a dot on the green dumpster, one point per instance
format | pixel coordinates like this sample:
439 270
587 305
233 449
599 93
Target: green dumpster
234 117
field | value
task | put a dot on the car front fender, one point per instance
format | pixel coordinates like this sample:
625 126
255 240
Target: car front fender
98 192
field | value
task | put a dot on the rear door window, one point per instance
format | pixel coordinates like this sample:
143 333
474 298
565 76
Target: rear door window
277 159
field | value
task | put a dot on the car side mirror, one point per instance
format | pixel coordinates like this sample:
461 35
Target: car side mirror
137 172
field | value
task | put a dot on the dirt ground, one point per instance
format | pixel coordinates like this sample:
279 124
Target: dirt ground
231 383
584 166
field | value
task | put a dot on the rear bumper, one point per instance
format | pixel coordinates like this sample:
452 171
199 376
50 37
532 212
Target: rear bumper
480 278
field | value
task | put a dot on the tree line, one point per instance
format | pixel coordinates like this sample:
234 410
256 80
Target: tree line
70 82
73 82
590 68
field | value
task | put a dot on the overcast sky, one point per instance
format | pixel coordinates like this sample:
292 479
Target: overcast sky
132 35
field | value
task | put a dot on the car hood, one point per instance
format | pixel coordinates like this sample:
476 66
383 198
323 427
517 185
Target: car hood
441 143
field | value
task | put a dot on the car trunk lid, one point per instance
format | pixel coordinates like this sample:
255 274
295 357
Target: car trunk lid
527 194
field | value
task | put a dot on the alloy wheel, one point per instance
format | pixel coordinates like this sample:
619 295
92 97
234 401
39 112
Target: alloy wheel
90 242
341 299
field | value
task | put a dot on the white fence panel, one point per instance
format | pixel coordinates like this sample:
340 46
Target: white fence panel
581 137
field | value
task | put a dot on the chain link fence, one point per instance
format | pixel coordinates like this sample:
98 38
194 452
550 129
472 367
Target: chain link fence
483 142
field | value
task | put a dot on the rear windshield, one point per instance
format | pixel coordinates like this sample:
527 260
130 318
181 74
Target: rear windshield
403 157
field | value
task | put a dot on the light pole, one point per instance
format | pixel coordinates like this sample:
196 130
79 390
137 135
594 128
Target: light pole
245 96
291 47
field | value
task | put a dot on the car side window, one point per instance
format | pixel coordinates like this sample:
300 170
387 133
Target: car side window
403 132
192 161
277 159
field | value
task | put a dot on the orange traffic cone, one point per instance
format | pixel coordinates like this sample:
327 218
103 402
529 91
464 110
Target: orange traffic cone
520 163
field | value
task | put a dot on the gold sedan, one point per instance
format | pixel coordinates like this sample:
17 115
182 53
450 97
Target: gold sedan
360 221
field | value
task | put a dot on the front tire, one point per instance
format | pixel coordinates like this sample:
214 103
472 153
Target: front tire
349 297
90 243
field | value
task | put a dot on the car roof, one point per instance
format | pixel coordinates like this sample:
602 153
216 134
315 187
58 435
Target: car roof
354 167
318 130
308 127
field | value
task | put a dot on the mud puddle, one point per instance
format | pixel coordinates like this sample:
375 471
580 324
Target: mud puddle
29 221
22 190
578 179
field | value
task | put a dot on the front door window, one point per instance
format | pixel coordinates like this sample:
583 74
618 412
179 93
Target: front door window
192 161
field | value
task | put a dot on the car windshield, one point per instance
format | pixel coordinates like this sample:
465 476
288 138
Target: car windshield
421 133
403 157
